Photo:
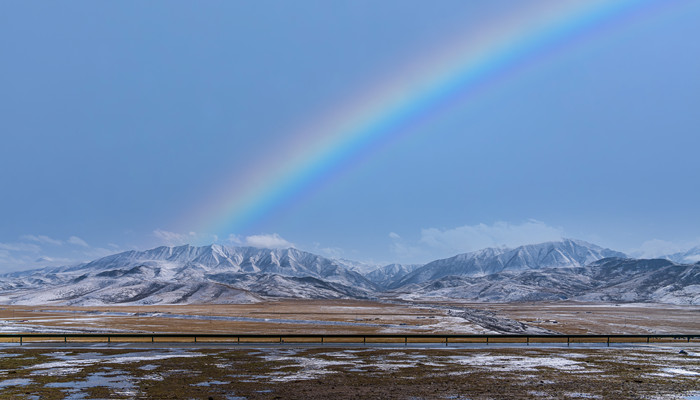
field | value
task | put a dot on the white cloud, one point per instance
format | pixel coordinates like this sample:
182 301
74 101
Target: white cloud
46 261
268 241
437 243
177 239
97 252
24 255
331 252
692 258
77 241
656 248
42 239
24 247
234 239
173 238
15 258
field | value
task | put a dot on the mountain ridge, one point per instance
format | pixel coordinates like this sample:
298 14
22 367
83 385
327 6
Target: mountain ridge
568 269
564 253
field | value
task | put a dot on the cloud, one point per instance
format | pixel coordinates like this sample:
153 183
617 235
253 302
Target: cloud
24 255
20 256
177 239
43 239
332 252
77 241
98 252
173 238
23 247
234 239
268 241
692 258
437 243
656 248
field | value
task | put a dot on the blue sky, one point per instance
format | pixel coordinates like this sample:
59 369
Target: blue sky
120 118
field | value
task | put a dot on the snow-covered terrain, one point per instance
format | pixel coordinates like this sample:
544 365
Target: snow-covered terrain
388 274
187 274
566 253
686 257
568 269
609 280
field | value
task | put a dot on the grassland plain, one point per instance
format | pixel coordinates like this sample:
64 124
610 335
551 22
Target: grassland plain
349 373
349 316
296 371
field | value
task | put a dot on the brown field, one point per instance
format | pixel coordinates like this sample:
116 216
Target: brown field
359 317
365 317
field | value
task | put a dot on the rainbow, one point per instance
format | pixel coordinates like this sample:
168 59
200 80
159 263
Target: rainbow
318 151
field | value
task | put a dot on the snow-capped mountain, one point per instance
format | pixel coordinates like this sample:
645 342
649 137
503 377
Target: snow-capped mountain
568 269
388 274
186 274
566 253
357 266
690 256
609 279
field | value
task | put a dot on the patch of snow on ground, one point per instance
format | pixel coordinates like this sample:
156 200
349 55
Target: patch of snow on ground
152 377
209 383
71 365
311 367
577 395
390 366
513 363
57 371
15 382
341 354
680 371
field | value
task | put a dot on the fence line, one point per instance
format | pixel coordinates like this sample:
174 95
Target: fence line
347 338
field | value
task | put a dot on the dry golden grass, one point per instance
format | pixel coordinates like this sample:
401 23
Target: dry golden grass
365 317
368 317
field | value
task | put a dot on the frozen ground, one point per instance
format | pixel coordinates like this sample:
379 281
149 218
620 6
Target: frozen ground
622 372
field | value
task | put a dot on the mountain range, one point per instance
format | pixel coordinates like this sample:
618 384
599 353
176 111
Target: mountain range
567 269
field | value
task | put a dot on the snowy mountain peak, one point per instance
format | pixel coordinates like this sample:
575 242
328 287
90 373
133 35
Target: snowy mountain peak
690 256
223 274
564 253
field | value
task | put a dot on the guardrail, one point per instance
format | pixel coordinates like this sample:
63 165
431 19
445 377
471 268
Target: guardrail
342 338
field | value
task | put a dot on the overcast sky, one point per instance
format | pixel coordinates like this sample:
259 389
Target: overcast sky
121 120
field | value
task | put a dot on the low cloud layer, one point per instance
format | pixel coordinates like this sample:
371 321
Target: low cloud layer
436 243
268 241
168 238
77 241
43 239
173 238
656 248
36 251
